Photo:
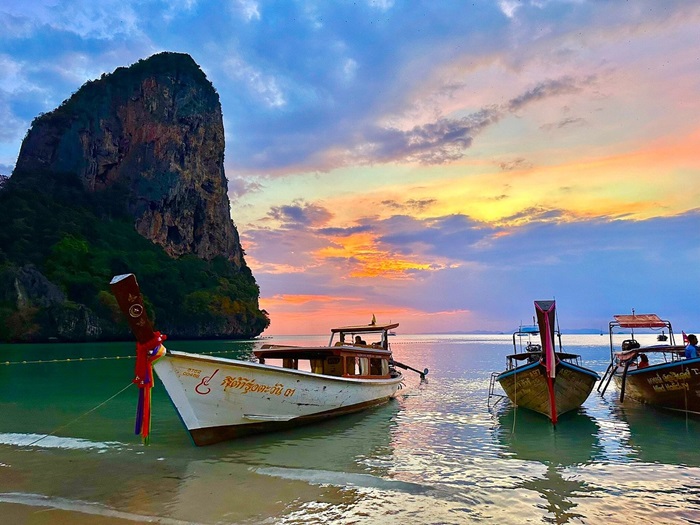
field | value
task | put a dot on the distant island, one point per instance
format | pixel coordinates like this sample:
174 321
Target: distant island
125 176
574 331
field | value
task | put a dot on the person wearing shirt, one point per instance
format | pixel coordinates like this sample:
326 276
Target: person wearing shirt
691 350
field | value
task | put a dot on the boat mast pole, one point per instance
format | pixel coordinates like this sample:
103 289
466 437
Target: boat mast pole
556 317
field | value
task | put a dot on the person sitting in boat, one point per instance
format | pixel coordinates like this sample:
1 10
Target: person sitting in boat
691 350
643 361
359 340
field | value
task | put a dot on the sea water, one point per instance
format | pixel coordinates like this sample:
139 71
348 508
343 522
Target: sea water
442 452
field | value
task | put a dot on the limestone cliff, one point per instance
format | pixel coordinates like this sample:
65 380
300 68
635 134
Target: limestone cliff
156 128
126 175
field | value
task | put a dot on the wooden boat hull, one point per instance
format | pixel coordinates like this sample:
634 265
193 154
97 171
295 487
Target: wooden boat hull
220 399
674 385
526 387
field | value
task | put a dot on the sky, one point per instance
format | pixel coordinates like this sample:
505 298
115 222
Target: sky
440 164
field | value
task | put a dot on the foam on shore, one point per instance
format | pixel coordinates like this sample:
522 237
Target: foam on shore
83 507
343 479
58 442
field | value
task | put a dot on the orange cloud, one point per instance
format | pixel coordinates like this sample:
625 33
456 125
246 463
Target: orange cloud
369 260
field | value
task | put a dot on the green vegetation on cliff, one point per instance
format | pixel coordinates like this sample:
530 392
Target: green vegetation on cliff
78 240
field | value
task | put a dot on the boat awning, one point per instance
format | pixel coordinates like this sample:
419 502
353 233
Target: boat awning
364 328
639 321
528 330
321 352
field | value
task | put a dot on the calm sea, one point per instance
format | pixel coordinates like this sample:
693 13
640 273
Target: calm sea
438 454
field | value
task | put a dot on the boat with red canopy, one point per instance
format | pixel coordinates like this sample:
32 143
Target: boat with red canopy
657 374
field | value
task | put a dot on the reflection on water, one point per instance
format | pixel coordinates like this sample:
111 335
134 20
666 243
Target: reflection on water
559 495
531 437
269 473
436 454
659 436
528 436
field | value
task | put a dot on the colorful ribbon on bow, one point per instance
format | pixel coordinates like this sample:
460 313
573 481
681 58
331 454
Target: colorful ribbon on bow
146 354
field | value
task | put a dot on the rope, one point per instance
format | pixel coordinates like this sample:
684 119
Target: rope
80 416
67 360
685 396
81 359
515 401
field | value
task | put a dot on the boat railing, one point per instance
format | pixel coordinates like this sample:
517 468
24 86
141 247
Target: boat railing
512 360
492 393
574 360
625 360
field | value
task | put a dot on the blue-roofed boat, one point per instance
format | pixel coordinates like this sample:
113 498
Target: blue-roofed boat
657 375
541 377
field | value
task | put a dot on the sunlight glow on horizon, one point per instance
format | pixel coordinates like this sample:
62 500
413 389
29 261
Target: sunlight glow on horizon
305 315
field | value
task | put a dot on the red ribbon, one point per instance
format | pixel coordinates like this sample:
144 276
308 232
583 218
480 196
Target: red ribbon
146 354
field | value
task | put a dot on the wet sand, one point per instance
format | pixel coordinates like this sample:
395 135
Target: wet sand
19 514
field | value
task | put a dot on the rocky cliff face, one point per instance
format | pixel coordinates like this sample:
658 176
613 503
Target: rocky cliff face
155 128
143 146
42 310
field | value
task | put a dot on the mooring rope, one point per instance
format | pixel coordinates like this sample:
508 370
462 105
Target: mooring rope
515 401
80 416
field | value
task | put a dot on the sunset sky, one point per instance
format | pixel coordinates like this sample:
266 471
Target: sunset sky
441 164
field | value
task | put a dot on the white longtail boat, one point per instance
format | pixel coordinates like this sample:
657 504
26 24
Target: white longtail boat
220 399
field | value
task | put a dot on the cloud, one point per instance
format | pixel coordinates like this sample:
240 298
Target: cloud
86 19
347 231
442 141
549 88
248 8
318 95
594 268
12 127
412 205
567 122
264 85
515 164
240 186
300 214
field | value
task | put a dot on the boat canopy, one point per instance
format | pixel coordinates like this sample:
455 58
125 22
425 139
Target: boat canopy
364 328
321 352
639 321
528 330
